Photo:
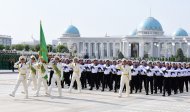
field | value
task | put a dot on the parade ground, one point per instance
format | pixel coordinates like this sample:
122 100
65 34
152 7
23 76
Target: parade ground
86 101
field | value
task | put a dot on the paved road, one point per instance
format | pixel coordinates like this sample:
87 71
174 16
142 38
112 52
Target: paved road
87 101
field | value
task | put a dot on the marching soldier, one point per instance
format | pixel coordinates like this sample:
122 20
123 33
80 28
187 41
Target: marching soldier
118 75
76 74
125 78
142 75
58 74
33 72
180 77
66 72
166 80
114 77
94 75
174 78
150 73
185 76
107 76
22 69
42 76
100 73
135 79
158 79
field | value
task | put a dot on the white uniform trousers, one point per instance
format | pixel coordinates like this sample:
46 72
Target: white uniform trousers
53 80
33 79
40 81
124 80
77 78
21 78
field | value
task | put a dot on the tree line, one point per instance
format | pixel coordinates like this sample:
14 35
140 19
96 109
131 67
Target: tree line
35 48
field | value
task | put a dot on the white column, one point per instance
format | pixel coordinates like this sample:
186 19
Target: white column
120 47
173 49
107 50
141 50
188 50
114 53
151 49
159 46
102 50
166 49
128 49
78 49
83 49
180 45
95 50
123 50
89 50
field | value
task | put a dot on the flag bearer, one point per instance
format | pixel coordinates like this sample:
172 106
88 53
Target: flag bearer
22 69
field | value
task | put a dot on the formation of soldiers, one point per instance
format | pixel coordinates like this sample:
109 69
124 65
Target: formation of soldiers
128 76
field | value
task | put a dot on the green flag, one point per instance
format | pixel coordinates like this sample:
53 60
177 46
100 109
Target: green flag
43 48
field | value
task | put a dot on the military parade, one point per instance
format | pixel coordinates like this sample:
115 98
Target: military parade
119 76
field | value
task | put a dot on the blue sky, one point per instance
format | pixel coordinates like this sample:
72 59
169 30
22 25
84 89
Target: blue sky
21 18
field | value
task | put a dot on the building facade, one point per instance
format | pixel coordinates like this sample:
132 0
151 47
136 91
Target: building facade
5 40
148 40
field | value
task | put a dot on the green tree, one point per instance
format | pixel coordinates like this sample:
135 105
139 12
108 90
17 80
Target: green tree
120 55
2 47
37 48
26 47
49 47
62 49
18 47
7 47
180 56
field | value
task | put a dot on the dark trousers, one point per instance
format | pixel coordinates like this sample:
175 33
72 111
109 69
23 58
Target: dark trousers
116 79
166 85
106 81
83 80
142 79
101 76
94 81
186 83
181 84
134 83
50 77
66 79
149 80
88 74
174 84
158 83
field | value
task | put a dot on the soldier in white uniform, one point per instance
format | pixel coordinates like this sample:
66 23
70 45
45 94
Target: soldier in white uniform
32 72
22 69
125 78
42 76
76 74
58 74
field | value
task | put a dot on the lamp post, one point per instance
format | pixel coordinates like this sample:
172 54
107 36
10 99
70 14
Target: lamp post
69 45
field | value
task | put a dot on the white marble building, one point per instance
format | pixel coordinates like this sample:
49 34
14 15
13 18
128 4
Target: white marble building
5 40
148 40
